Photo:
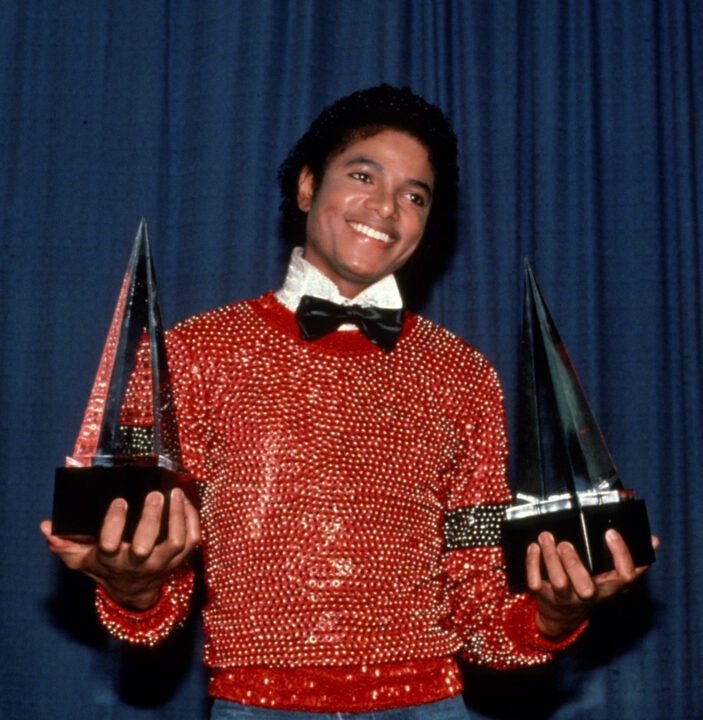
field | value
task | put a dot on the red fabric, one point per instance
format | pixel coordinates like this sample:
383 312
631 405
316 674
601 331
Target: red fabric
152 625
359 688
327 469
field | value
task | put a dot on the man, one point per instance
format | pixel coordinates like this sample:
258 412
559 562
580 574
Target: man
333 433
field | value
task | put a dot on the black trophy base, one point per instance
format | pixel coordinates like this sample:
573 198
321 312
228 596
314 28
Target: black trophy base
629 518
83 495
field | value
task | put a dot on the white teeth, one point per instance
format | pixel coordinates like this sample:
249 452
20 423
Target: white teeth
370 232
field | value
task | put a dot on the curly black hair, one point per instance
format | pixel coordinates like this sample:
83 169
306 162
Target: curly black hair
363 114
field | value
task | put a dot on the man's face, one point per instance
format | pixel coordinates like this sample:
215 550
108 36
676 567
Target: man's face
370 210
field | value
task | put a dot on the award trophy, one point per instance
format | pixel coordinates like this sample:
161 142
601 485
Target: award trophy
567 483
116 456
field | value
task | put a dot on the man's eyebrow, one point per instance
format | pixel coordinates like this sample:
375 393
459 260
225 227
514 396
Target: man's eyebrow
361 160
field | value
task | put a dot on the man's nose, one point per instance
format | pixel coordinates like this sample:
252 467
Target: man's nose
384 203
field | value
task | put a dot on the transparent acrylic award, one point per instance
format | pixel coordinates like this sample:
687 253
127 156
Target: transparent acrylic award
567 483
116 456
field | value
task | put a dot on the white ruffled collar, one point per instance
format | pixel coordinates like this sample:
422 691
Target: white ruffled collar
302 278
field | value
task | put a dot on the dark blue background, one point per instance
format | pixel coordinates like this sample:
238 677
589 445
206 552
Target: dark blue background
580 131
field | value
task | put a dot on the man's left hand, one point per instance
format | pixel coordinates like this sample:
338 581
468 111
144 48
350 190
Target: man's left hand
566 596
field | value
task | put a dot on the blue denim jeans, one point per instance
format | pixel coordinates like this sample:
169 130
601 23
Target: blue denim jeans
449 709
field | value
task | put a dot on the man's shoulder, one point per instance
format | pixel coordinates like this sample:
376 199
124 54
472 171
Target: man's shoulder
218 324
215 318
431 337
450 362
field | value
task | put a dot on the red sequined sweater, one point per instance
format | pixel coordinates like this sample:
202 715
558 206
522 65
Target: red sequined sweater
328 471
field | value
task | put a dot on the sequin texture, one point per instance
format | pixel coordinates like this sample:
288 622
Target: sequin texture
328 468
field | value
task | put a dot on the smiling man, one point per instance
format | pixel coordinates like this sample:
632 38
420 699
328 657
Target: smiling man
368 213
333 434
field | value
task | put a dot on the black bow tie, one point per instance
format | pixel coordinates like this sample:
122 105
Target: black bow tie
317 317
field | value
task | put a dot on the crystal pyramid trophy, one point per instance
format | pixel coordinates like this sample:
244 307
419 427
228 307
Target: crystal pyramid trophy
567 482
117 456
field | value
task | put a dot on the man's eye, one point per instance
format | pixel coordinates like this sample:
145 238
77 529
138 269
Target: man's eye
362 176
417 199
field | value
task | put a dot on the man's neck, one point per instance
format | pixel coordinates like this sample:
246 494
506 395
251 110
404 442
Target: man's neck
302 278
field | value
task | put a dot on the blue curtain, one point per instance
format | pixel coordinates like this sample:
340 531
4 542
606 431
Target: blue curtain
580 126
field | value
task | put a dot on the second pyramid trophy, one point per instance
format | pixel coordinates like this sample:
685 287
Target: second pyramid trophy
567 483
128 442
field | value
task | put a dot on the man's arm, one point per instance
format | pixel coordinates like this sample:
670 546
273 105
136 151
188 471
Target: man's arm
500 628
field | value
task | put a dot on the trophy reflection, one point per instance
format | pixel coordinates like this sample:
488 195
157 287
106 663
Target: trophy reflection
567 482
125 449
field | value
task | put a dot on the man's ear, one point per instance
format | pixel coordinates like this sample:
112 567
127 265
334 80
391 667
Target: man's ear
306 188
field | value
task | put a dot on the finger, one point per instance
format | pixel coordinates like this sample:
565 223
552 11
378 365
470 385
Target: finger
148 527
55 543
52 540
655 542
176 539
113 527
192 532
622 559
579 577
192 525
532 567
556 574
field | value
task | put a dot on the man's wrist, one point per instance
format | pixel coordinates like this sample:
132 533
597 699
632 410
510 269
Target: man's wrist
556 628
134 601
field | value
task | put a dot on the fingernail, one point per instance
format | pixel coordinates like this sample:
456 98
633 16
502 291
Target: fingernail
611 535
120 503
177 495
155 498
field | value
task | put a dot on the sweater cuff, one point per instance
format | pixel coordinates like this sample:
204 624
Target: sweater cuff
523 629
153 625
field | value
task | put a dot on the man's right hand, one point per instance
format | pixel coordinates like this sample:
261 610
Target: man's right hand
132 573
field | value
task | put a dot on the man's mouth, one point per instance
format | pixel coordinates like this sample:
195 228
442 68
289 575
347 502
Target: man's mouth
370 232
